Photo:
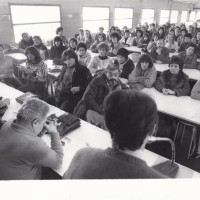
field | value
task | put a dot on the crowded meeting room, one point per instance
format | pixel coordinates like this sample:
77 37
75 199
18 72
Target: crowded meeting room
99 89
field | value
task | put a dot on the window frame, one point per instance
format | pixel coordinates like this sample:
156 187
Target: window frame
25 4
96 20
124 18
165 17
148 9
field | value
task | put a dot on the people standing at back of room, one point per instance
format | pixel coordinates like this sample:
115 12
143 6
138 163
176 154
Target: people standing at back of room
130 118
173 81
29 155
57 50
160 54
144 74
98 63
72 82
34 73
84 56
189 57
26 41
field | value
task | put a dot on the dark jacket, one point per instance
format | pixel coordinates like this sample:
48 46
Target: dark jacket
40 46
127 68
23 44
164 56
96 92
80 78
180 84
56 52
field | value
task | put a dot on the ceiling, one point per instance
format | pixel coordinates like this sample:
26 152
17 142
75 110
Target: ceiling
195 2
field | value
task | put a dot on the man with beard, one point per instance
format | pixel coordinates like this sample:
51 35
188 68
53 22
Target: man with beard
95 94
160 54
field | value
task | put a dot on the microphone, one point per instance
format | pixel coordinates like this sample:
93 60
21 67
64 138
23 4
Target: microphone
169 168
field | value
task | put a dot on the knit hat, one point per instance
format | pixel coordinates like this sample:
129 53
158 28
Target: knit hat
123 52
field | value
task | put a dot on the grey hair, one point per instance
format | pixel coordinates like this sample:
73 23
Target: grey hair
33 109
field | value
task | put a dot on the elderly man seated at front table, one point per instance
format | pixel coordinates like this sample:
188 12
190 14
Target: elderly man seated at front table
97 90
23 153
130 117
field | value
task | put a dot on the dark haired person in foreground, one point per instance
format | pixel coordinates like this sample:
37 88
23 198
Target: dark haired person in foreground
23 153
130 117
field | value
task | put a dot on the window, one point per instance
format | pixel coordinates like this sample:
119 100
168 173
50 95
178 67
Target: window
147 16
192 16
174 16
164 16
123 17
94 17
35 20
198 16
184 16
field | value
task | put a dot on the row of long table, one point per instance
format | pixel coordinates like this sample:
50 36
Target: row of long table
86 135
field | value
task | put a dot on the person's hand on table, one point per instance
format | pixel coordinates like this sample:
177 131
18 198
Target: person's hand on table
50 127
75 89
165 91
171 92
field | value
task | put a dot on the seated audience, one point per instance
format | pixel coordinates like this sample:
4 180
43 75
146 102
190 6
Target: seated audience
130 117
98 63
34 73
72 82
196 40
161 33
95 94
144 41
191 30
84 56
127 40
73 43
101 29
112 29
187 40
28 154
88 38
177 33
100 38
195 93
40 46
59 33
173 81
81 37
7 65
138 36
182 36
57 49
152 29
115 44
26 41
171 44
189 57
160 54
125 63
144 75
44 53
153 42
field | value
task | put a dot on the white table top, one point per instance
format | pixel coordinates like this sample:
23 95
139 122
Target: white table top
86 135
193 74
183 107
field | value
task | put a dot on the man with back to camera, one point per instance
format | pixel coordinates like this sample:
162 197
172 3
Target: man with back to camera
130 117
22 152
